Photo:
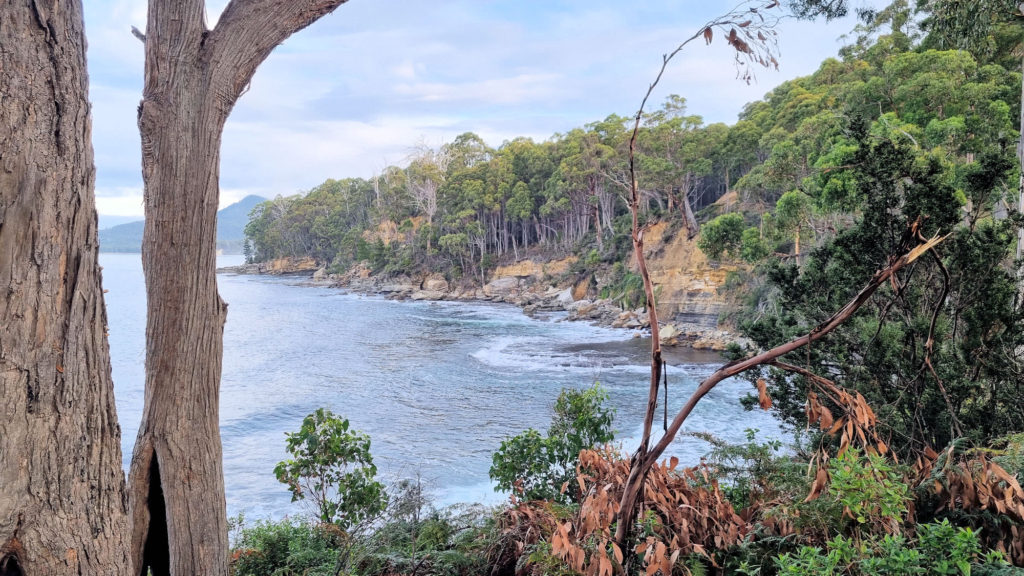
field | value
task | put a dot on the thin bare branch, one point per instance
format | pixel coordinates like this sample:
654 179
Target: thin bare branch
643 463
754 43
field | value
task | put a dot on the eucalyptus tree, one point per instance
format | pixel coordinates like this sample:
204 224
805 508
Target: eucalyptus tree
989 29
62 492
193 77
672 158
426 173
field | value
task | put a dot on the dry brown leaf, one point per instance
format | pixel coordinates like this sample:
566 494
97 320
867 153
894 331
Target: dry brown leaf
762 394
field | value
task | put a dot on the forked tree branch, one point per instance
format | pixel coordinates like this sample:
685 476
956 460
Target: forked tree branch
248 30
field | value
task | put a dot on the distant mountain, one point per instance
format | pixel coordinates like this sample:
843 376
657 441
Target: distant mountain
231 223
122 238
107 221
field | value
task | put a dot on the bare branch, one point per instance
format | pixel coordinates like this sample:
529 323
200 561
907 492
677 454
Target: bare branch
754 43
138 34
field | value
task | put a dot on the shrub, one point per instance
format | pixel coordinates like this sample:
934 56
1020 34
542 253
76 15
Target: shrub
939 548
722 236
332 466
286 547
537 466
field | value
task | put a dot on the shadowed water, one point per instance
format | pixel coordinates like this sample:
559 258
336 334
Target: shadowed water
436 385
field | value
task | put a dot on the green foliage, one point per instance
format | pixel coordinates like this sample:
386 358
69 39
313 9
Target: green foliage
417 538
970 317
869 490
332 466
722 236
625 288
536 466
753 246
286 548
753 471
939 548
450 542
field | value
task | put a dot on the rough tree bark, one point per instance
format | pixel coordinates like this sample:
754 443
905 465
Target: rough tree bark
63 508
193 78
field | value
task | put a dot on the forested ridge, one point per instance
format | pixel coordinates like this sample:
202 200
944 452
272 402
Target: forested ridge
464 207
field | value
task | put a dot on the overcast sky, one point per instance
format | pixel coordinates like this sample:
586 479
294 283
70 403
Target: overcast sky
358 89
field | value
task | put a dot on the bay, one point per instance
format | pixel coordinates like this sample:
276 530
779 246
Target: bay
437 385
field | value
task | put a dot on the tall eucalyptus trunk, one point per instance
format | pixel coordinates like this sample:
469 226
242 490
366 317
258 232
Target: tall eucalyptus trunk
63 508
193 78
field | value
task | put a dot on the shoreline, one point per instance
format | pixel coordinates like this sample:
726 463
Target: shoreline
697 332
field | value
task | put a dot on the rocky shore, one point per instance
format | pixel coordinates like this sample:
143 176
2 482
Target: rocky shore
527 285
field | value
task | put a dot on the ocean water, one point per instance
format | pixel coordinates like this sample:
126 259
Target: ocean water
436 385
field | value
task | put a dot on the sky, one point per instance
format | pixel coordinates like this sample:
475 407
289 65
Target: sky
359 89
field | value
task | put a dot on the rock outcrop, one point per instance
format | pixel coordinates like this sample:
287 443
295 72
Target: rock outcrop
687 284
278 267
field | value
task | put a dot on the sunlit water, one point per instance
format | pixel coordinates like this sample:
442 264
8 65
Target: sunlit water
436 385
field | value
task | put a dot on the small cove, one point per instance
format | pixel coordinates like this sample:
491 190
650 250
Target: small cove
437 385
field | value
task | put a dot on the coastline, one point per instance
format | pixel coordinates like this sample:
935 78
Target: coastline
527 291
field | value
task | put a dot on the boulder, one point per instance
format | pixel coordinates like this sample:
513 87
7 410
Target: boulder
575 306
565 297
626 319
398 285
669 331
668 334
427 295
320 275
500 287
435 283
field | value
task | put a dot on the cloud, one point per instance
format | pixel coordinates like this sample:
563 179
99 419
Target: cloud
120 202
519 89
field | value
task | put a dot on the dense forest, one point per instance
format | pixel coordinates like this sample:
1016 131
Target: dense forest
464 207
909 451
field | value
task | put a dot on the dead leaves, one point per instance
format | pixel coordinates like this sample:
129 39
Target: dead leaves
685 513
762 394
971 481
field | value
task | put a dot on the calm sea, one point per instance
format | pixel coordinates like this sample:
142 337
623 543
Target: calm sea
436 385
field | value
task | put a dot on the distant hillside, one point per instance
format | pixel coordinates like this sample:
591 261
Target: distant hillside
231 223
122 238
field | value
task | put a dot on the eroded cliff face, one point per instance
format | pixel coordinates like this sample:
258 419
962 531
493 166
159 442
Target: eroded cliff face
687 282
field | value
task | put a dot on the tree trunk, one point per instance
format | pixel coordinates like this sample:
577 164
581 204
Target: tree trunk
177 460
1020 189
193 78
796 245
62 494
692 228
